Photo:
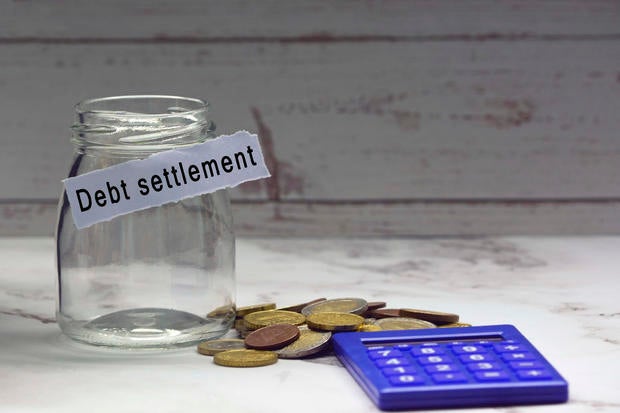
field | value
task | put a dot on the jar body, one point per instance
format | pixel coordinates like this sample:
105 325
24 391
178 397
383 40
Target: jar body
160 277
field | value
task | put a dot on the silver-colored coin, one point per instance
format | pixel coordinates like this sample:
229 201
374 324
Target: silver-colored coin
338 305
309 342
212 347
403 323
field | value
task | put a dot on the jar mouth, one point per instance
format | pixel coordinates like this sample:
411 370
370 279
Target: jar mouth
141 122
143 105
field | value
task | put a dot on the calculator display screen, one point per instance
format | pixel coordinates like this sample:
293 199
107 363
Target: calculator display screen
371 343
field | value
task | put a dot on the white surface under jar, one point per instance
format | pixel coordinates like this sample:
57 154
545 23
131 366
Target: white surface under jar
156 278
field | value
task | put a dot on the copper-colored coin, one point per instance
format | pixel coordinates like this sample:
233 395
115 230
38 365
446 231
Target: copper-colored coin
384 313
297 307
272 337
434 317
375 305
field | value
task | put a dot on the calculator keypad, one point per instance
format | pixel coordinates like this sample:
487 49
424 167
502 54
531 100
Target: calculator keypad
457 362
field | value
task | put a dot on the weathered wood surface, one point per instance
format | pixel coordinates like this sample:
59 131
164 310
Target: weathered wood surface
398 118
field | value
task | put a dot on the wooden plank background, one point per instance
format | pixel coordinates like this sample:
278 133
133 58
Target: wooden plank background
376 118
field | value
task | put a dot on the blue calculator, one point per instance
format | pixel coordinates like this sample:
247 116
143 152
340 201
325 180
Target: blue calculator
449 367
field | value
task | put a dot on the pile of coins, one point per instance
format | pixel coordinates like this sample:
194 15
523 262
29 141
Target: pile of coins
268 333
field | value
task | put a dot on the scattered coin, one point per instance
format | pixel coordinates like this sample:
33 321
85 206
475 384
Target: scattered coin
243 311
222 311
309 342
384 313
455 325
374 305
434 317
211 347
334 321
340 305
245 358
402 323
367 328
272 337
298 307
256 320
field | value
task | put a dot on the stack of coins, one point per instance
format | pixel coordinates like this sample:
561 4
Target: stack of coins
268 333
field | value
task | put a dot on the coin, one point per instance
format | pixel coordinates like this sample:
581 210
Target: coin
222 311
243 311
340 305
384 313
298 307
402 323
434 317
254 321
374 305
367 328
272 337
334 321
211 347
309 342
245 358
455 325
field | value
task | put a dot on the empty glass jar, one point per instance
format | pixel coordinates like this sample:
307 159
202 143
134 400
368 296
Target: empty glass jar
156 278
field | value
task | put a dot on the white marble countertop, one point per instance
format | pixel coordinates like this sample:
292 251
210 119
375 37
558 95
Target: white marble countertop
562 293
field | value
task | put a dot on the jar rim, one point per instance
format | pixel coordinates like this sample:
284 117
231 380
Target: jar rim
98 105
140 123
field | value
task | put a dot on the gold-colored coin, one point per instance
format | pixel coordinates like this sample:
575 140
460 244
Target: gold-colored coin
245 358
309 342
243 311
334 321
367 328
223 311
254 321
402 323
456 325
212 347
338 305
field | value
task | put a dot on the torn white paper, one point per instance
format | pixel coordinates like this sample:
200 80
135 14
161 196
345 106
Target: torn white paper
170 176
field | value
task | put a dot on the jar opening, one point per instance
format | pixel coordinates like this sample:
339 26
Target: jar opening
147 123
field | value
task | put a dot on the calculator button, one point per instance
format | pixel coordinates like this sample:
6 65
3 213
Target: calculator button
403 347
525 365
441 368
427 351
509 348
534 374
524 356
434 360
392 362
472 358
468 349
492 376
386 353
406 380
484 366
448 378
395 371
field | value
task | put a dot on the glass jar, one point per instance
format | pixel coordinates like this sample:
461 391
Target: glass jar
159 277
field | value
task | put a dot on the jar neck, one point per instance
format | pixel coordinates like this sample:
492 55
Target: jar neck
140 125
